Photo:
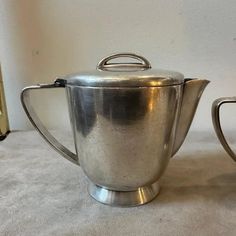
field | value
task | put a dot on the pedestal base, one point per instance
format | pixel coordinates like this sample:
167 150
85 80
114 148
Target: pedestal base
124 198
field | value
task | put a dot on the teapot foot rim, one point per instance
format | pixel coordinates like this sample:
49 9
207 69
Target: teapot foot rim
137 197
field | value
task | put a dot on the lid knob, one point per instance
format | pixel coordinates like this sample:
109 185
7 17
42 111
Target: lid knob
143 63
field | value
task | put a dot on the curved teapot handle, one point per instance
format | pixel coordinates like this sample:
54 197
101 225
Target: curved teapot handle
34 119
216 122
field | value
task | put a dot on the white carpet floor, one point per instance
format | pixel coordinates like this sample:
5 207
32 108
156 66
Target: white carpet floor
43 194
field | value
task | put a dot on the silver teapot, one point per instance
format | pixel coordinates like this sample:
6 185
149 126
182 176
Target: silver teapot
128 120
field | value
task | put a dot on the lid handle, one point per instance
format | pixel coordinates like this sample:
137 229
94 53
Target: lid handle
143 63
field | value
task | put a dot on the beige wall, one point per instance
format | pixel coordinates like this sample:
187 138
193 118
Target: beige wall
42 39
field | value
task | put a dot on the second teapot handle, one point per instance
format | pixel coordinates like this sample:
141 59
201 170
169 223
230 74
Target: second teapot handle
215 111
34 119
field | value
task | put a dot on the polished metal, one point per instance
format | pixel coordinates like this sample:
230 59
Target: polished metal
4 123
217 125
193 89
143 64
137 197
124 135
129 74
34 119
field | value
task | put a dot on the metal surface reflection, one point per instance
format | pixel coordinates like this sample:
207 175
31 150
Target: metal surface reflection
122 143
217 124
127 121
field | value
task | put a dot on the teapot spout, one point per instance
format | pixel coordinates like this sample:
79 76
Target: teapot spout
193 89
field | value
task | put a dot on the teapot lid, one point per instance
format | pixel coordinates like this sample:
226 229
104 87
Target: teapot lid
128 74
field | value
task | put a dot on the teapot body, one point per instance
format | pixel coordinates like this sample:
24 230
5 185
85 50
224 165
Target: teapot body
124 136
128 120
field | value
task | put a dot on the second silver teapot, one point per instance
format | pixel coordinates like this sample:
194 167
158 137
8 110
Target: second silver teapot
127 120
